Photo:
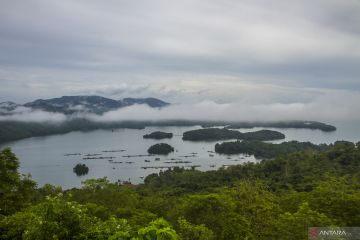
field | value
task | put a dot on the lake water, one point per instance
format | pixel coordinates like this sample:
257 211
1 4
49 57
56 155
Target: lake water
43 157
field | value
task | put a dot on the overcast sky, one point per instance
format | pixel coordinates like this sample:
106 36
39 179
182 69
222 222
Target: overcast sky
188 51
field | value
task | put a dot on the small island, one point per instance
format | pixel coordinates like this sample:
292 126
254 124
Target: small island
158 135
211 134
81 169
215 134
161 149
263 135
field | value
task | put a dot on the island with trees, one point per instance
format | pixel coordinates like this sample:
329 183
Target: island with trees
215 134
158 135
160 149
263 135
266 150
285 124
81 169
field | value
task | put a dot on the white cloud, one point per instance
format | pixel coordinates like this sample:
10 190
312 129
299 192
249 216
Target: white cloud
329 107
23 114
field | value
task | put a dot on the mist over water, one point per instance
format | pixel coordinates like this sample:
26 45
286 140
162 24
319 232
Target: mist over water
330 107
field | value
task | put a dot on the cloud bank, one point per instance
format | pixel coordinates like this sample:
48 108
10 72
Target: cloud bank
24 114
333 106
327 108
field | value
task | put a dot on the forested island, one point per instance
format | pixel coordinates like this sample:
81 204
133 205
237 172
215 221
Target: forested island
285 124
158 135
267 150
214 134
15 130
272 199
81 169
161 149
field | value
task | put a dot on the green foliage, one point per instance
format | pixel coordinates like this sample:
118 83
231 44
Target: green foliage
15 190
157 230
58 219
290 226
52 219
338 198
188 231
160 148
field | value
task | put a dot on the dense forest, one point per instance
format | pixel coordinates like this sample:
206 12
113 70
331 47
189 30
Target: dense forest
267 150
212 134
274 199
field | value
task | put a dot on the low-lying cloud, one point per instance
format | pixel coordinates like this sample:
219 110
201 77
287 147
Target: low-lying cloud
24 114
328 108
333 106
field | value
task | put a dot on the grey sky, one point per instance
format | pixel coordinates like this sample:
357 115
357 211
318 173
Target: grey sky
244 51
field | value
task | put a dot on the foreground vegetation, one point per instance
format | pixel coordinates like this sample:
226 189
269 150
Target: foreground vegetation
274 199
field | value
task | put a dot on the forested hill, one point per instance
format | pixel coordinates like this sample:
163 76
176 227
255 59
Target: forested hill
79 104
274 199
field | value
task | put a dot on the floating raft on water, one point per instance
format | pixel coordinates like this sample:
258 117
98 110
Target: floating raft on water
178 162
91 155
140 155
169 167
187 156
121 150
72 154
87 158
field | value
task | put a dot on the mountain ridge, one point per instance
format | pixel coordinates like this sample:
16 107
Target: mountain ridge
82 104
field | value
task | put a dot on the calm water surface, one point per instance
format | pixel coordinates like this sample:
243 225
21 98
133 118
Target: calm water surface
43 157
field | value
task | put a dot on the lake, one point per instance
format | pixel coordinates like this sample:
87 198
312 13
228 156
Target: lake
44 157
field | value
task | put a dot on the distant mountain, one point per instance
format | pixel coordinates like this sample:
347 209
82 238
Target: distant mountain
81 104
7 107
75 104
